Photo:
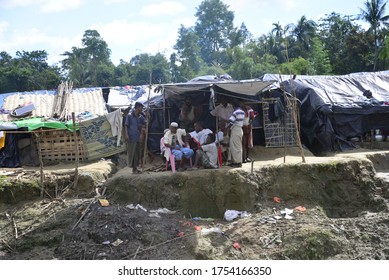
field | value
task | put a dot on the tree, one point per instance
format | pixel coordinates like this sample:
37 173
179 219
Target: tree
27 71
280 44
142 64
297 66
374 14
82 64
240 37
188 55
213 26
346 44
304 32
319 59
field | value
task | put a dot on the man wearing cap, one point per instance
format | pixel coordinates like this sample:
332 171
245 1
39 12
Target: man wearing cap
175 139
135 122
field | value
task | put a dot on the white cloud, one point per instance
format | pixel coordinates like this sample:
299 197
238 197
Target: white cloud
109 2
19 3
3 27
45 6
51 6
127 39
33 39
164 8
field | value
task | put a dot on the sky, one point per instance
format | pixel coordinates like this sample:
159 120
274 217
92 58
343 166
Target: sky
131 27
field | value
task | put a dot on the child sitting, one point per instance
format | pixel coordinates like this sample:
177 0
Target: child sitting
206 155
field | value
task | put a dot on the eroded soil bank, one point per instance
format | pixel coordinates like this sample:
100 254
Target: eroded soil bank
345 198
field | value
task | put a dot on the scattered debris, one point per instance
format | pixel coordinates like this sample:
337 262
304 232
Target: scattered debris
300 208
117 242
237 246
138 206
231 215
206 231
104 202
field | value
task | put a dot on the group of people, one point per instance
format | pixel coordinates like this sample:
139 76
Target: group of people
200 144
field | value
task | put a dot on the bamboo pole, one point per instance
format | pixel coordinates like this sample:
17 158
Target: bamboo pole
77 150
37 136
147 123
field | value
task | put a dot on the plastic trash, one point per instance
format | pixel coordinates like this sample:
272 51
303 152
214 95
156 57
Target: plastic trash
287 211
106 242
231 215
203 219
300 208
117 242
237 246
138 206
276 199
288 217
206 231
198 228
154 215
163 211
104 202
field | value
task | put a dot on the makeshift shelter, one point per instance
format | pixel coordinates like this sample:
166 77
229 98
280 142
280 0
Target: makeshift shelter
337 109
48 128
166 107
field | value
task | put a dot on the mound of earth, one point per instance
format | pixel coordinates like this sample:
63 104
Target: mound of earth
343 213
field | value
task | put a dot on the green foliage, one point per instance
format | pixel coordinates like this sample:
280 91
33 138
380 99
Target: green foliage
297 66
28 71
4 182
213 26
374 14
87 65
319 59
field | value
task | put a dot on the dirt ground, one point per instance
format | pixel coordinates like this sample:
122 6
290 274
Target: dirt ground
74 225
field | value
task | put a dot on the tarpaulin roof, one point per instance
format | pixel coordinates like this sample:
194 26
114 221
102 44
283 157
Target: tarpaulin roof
36 123
250 88
345 90
244 88
334 109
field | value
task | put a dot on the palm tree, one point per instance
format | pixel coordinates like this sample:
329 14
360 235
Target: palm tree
374 14
304 32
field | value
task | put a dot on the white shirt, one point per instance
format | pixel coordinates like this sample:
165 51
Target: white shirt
223 112
211 151
201 136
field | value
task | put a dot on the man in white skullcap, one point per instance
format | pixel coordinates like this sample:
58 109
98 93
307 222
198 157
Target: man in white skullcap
175 139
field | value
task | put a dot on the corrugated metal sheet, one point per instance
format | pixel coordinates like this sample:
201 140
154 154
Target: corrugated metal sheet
79 102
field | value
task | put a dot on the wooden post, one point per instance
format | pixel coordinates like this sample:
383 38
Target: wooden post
147 123
77 150
40 163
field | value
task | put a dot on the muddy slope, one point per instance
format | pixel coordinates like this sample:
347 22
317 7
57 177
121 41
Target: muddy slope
346 215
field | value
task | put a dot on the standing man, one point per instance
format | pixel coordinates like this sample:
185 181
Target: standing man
250 114
134 124
189 114
236 122
222 112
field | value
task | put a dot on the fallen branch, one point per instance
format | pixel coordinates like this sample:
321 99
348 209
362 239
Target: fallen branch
159 244
15 228
137 250
85 211
6 244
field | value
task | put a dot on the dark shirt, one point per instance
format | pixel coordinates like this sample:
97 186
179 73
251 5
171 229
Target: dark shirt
134 125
